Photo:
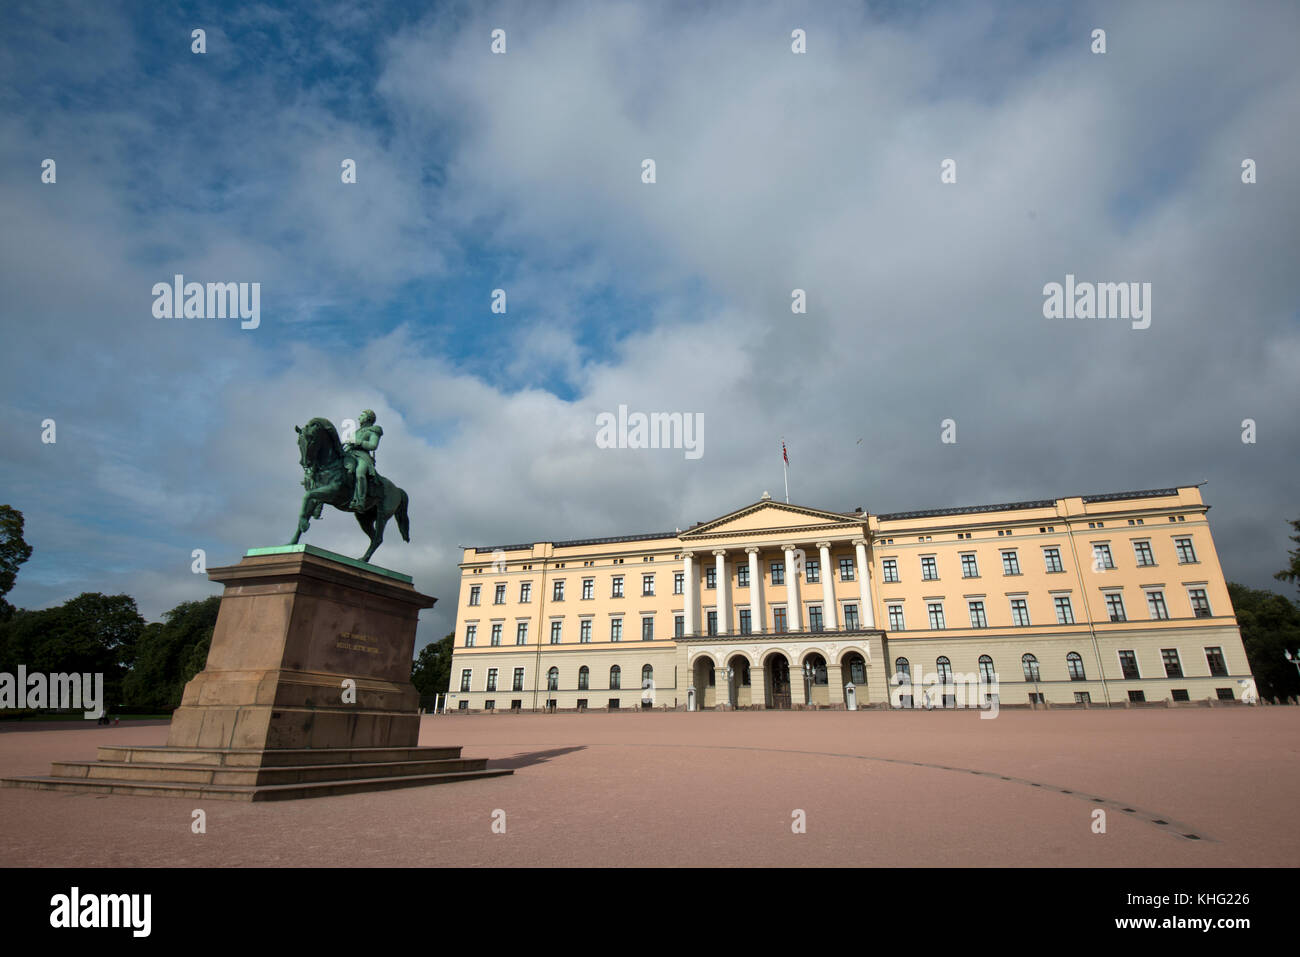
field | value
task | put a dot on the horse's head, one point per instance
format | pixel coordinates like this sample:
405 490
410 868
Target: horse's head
318 444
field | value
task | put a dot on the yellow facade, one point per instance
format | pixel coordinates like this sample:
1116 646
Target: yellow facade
1116 597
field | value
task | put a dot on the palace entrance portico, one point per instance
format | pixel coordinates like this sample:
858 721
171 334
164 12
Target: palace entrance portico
777 610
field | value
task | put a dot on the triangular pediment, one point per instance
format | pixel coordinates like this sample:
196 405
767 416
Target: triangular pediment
769 516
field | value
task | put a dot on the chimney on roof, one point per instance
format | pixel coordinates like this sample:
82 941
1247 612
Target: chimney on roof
858 510
766 497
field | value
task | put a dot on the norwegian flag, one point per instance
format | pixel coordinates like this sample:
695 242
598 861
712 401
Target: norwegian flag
784 454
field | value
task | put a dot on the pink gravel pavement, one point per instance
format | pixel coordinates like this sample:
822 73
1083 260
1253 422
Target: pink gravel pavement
720 789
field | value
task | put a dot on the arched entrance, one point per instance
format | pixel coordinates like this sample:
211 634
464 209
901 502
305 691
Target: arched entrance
811 681
853 670
740 684
705 681
777 672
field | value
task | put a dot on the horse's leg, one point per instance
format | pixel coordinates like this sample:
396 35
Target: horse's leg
376 537
304 517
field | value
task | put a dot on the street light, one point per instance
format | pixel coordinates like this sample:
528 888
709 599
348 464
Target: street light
807 682
1294 659
731 674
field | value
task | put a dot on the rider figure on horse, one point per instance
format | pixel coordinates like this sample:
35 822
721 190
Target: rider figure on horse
360 457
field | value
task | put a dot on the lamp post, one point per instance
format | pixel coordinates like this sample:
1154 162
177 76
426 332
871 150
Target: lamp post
807 682
1294 659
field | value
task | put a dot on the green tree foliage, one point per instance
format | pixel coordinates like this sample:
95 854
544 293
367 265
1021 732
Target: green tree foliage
1292 574
13 552
170 653
1270 625
432 671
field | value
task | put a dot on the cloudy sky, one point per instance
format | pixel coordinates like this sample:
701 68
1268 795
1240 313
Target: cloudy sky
775 171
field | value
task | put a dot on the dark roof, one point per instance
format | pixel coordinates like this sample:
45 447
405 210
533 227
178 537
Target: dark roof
583 541
1037 503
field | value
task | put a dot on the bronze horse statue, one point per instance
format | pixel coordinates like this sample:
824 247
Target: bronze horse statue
329 481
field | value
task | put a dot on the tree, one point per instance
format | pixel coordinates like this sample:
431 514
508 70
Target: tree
1292 574
1270 626
432 671
170 653
13 552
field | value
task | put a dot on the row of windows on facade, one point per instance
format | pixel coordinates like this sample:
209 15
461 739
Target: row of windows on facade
812 575
1042 530
1073 664
1156 606
553 678
1102 559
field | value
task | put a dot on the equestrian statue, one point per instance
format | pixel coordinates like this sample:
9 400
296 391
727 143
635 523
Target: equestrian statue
343 475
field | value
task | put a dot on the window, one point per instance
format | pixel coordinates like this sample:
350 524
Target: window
846 569
1214 658
1137 697
895 617
929 569
1064 610
812 571
464 679
1224 694
489 705
935 609
1186 554
584 631
491 680
471 632
815 618
1082 697
1030 665
519 680
616 629
521 633
851 617
618 587
1179 694
588 589
778 573
977 617
1128 664
525 591
1200 604
615 678
778 620
903 669
1035 697
711 577
553 680
1173 667
986 670
1074 665
944 667
1156 604
1052 559
679 626
1142 552
1010 563
1019 612
647 629
496 634
584 678
679 583
1115 606
969 567
890 570
712 622
742 576
557 629
500 597
746 625
473 594
1101 558
557 590
647 585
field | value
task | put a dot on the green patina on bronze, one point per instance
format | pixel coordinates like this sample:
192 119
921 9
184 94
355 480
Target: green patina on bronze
333 556
344 476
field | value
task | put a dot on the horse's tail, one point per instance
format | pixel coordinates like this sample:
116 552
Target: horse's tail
403 521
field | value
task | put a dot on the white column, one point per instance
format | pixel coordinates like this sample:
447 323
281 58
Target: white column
792 591
688 593
864 584
830 616
723 580
757 617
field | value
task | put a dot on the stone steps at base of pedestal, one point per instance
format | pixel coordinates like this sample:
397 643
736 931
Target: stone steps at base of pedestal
175 773
271 757
263 792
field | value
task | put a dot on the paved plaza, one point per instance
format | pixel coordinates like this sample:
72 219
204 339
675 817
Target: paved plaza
1179 787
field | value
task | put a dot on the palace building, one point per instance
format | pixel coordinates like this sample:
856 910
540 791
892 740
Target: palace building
1097 599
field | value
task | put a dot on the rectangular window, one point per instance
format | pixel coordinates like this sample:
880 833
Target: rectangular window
473 594
1142 552
588 589
679 582
618 587
1214 658
929 569
851 617
1064 611
496 634
557 629
778 573
616 629
521 633
500 597
712 621
1115 606
711 577
1173 667
1224 694
889 570
471 632
492 680
1082 697
1186 554
977 617
525 591
679 626
896 618
746 625
1200 603
1156 604
1101 558
935 609
647 585
1010 563
1128 664
969 567
557 590
647 629
1052 559
1137 697
846 569
742 576
778 620
812 571
815 618
584 631
464 680
1019 612
1179 694
489 705
519 680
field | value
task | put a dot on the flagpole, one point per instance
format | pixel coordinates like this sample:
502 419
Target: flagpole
785 468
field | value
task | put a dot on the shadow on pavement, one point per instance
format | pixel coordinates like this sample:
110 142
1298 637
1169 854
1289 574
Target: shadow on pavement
533 757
